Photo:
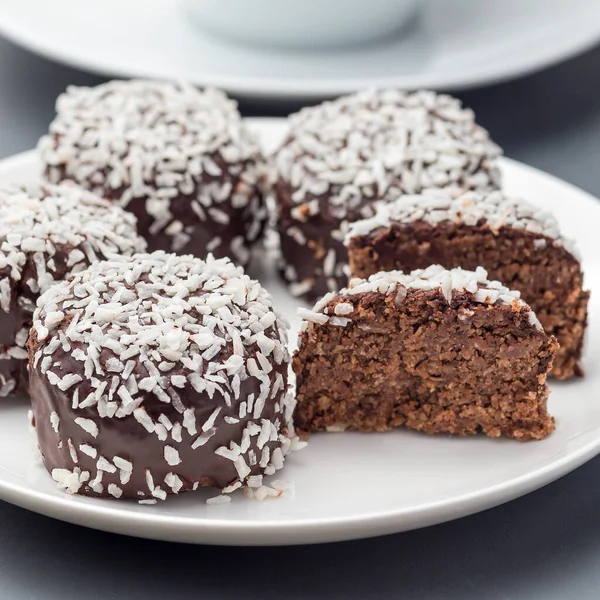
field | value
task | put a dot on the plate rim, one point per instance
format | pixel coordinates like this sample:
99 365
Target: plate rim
223 531
561 49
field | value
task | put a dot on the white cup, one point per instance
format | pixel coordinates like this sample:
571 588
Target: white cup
301 23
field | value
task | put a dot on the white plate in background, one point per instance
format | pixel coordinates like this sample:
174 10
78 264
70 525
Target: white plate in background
454 44
350 485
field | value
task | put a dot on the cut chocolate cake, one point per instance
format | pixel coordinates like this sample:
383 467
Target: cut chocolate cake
342 157
435 350
516 242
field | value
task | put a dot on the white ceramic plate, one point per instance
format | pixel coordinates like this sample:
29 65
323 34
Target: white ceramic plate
350 485
455 44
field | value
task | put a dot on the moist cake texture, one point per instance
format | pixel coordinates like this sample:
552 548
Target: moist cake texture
437 351
179 158
47 233
515 241
342 157
159 374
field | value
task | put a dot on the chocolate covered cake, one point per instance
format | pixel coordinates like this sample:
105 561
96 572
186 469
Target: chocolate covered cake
179 158
47 233
159 374
516 242
435 350
342 157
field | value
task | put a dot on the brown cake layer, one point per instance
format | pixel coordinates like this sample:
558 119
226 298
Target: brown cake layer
460 367
548 276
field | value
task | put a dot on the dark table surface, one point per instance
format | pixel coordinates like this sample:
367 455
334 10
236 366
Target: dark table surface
545 545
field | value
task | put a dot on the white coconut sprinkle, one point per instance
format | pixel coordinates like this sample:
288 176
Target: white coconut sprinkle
337 428
312 316
174 482
69 481
211 420
69 381
104 465
343 308
254 481
159 493
142 417
176 432
189 421
54 421
114 490
89 450
87 425
221 499
72 451
123 464
172 456
231 488
96 483
339 321
242 468
263 492
149 480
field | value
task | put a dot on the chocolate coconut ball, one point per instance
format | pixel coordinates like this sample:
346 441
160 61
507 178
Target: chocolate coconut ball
157 374
342 157
47 233
179 158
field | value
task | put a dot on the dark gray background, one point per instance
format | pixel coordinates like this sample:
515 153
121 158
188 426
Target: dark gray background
546 545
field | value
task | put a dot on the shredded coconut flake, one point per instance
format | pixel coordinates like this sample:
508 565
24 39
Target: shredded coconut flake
222 499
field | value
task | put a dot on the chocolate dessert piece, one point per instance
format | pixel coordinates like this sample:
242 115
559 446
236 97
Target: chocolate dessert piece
435 350
157 374
342 157
516 242
47 233
179 158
